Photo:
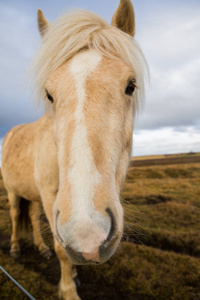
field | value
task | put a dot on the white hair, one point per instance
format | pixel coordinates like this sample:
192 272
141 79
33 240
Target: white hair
81 30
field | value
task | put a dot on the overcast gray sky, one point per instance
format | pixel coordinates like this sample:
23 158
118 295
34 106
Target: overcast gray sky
169 35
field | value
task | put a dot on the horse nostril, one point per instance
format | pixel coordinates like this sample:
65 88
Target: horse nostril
113 224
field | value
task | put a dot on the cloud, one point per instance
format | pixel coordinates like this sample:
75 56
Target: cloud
173 99
166 140
18 44
172 46
171 37
168 32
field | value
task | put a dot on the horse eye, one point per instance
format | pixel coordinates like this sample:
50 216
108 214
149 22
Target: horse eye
130 88
49 97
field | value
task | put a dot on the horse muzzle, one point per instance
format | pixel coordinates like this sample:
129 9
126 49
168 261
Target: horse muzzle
96 248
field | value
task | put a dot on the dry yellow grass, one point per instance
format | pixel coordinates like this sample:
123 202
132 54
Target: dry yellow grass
160 259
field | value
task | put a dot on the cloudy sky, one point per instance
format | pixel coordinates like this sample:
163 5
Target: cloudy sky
169 34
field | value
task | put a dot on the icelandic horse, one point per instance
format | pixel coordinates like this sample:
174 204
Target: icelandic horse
74 159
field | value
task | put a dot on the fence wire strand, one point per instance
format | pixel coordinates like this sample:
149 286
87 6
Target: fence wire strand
17 284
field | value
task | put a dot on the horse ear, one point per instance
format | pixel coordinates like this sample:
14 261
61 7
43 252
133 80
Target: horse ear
124 17
43 23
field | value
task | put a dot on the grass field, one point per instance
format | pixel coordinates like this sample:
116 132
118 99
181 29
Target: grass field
159 257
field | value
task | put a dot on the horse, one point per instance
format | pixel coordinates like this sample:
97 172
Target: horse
74 159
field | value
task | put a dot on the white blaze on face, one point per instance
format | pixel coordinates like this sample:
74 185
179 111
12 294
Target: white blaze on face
83 175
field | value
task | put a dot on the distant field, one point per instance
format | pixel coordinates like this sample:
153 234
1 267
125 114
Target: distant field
159 257
165 159
182 155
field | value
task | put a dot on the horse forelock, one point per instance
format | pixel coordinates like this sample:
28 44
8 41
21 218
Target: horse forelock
81 30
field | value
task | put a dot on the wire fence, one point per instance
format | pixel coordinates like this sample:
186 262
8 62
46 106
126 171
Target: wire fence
17 284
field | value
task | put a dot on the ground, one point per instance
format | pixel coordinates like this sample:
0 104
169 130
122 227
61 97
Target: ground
158 257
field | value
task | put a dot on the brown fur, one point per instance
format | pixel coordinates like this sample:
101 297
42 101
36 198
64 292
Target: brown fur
43 23
124 17
37 157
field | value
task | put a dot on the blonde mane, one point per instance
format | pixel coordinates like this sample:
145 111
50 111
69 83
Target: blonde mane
81 30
